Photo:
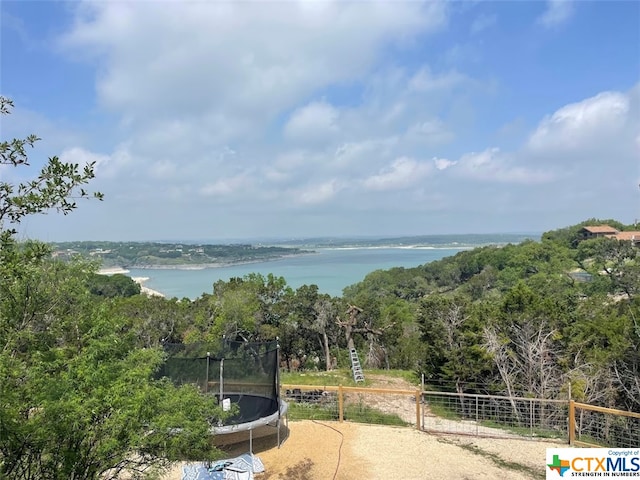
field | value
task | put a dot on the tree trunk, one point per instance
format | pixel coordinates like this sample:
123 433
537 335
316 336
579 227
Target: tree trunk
327 352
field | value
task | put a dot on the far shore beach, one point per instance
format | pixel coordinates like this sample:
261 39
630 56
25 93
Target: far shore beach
139 280
113 271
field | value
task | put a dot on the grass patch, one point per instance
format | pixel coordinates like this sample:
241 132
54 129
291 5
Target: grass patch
310 411
447 413
442 411
361 413
406 375
358 413
332 378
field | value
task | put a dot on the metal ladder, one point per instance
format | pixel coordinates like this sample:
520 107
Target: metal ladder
358 375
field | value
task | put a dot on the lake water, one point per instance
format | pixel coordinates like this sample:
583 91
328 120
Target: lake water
331 269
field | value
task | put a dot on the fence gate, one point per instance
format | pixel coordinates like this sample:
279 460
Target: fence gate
494 416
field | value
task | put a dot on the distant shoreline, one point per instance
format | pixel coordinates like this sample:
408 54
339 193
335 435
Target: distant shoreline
150 292
113 271
194 266
185 267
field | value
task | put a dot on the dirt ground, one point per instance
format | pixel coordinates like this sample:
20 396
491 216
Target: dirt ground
346 451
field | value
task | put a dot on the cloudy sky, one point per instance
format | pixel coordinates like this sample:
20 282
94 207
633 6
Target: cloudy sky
248 119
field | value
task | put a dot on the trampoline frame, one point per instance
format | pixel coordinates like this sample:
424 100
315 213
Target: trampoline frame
250 426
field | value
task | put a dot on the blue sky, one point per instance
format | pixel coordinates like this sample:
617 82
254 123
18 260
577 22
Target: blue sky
227 120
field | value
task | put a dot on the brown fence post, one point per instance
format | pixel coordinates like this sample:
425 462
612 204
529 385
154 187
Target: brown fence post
572 422
340 404
418 397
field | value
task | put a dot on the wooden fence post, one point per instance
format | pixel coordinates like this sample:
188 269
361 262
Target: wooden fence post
418 398
572 422
340 404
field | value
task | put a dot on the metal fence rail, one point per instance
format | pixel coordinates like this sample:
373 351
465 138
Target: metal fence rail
494 416
603 427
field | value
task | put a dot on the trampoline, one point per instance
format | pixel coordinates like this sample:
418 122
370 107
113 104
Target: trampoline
243 376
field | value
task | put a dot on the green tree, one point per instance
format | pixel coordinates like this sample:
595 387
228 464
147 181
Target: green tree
249 308
614 260
156 320
452 337
77 394
117 285
78 398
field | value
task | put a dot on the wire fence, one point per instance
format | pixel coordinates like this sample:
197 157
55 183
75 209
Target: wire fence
494 416
467 414
311 403
362 405
603 427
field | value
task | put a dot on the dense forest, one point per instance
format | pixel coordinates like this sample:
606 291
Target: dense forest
554 318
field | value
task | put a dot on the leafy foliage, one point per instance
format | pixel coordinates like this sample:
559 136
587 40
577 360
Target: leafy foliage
58 185
116 285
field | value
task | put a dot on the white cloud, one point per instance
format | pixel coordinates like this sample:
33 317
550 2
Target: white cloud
252 59
556 13
583 151
106 166
431 132
582 124
318 193
236 185
402 173
494 166
443 163
356 153
164 169
314 121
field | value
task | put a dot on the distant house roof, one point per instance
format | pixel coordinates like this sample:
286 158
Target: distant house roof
633 236
601 229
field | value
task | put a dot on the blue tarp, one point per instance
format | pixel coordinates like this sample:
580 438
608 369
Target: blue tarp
238 468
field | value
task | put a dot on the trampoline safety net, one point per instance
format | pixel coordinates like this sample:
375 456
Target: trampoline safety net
246 373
